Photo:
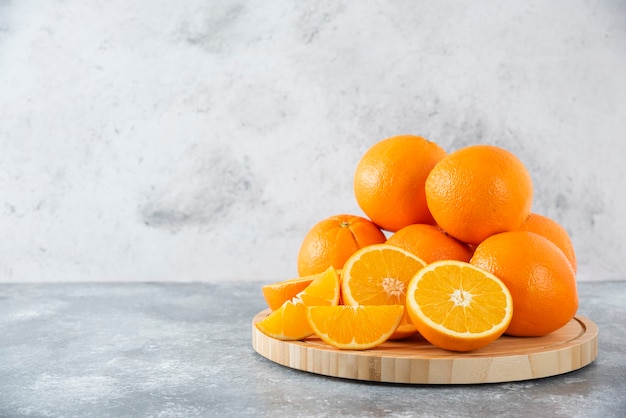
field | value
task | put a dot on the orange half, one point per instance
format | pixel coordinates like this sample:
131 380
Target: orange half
457 306
379 275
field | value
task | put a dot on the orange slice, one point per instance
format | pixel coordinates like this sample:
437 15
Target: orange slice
289 322
354 327
277 293
379 275
457 306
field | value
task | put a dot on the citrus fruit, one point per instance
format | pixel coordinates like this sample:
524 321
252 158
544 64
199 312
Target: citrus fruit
457 306
277 293
389 181
478 191
354 327
379 275
539 276
552 230
289 321
430 243
331 241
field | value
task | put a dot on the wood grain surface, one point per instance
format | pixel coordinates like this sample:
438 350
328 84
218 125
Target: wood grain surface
415 361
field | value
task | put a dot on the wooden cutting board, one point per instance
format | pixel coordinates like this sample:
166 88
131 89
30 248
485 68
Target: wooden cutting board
415 361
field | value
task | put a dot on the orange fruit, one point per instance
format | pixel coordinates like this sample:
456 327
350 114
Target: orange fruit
379 275
389 181
457 306
430 243
539 276
478 191
354 327
331 241
552 230
289 321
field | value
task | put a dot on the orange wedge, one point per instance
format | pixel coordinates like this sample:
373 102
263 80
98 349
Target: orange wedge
457 306
289 322
379 275
354 327
277 293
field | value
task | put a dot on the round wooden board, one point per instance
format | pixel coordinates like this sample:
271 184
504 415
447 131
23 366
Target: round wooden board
415 361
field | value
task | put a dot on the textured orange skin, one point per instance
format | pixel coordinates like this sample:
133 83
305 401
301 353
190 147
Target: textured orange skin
333 240
540 278
552 230
479 191
430 243
389 181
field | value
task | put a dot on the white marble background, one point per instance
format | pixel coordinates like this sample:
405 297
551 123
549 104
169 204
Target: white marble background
200 140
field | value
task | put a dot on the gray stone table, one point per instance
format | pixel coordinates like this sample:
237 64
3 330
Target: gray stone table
184 350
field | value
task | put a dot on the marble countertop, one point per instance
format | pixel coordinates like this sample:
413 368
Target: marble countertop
184 350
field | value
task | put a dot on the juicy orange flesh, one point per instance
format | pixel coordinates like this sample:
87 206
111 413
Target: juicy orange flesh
382 277
287 322
355 325
323 290
461 299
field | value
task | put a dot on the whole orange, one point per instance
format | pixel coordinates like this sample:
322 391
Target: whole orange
430 243
389 181
478 191
333 240
540 278
552 230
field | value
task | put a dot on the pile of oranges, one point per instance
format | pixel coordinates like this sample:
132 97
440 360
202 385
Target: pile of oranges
448 248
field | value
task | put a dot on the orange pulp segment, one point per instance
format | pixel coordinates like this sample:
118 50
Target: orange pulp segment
354 327
289 322
457 306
